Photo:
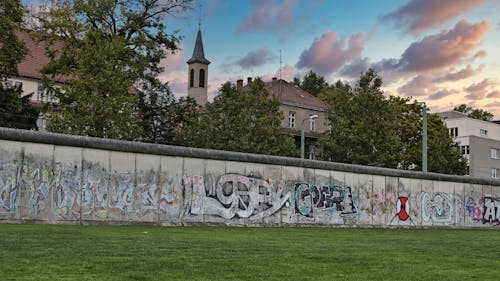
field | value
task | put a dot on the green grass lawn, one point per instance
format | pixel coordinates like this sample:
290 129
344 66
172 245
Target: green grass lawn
56 252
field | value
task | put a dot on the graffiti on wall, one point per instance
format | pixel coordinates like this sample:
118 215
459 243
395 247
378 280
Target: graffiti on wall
491 210
474 208
309 198
439 207
235 196
8 187
67 192
94 197
38 181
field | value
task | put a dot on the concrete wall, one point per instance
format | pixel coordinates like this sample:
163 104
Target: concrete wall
66 179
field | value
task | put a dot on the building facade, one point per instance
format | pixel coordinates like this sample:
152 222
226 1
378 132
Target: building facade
479 143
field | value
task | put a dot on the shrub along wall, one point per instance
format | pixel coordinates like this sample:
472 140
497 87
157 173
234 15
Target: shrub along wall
56 178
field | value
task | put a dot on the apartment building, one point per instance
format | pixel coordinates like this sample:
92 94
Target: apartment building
479 143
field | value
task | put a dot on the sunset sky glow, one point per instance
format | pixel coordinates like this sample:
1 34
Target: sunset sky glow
443 52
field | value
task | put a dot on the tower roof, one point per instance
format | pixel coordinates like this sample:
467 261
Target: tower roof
198 54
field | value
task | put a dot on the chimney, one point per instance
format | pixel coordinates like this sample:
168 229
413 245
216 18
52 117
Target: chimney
274 78
239 84
249 81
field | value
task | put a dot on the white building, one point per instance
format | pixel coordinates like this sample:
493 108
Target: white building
479 143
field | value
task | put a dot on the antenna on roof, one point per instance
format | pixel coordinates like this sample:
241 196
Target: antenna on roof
280 73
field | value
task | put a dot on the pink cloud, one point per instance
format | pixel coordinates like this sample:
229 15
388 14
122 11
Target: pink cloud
419 15
445 48
256 58
420 85
461 74
479 90
442 94
327 54
493 94
268 15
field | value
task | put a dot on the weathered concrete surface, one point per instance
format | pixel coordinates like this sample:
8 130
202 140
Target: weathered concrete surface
56 178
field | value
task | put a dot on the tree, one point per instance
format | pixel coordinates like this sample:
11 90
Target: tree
474 113
312 83
364 124
107 47
244 120
443 154
12 50
15 110
369 129
163 116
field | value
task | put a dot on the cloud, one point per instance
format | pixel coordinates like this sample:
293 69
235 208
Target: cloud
461 74
478 90
443 49
256 58
268 15
355 68
419 15
175 72
327 54
442 93
493 94
493 104
420 85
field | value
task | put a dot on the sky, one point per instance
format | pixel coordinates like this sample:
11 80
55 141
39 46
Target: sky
443 52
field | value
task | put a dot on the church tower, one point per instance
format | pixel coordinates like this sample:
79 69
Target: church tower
198 73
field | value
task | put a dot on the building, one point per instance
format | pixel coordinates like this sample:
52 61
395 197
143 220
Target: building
297 105
29 78
479 143
198 73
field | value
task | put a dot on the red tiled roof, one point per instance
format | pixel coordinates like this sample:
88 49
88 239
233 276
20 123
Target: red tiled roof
36 58
286 91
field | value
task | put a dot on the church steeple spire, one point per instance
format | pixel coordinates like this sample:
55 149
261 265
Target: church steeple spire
198 53
198 72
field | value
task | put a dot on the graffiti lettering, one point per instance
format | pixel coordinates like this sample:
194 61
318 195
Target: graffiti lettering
308 197
491 210
236 196
8 187
441 207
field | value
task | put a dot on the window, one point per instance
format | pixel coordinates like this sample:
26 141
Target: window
202 78
494 153
191 78
312 155
483 132
42 95
454 132
494 173
291 119
465 149
312 123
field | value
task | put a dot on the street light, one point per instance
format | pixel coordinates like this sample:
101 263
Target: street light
302 139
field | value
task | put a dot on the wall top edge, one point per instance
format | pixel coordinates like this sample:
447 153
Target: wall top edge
170 150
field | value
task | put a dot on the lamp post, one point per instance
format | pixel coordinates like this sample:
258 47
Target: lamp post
302 138
424 139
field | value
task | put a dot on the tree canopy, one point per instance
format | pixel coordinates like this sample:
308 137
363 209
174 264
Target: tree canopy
369 129
12 50
108 47
474 112
244 120
312 83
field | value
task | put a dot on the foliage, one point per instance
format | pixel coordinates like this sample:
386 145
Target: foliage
369 129
312 83
474 112
12 50
16 110
443 153
163 116
364 124
107 47
247 120
42 252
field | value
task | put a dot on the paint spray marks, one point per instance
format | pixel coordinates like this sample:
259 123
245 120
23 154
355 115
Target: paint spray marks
94 197
234 196
66 194
440 207
9 187
474 208
402 210
491 212
309 199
